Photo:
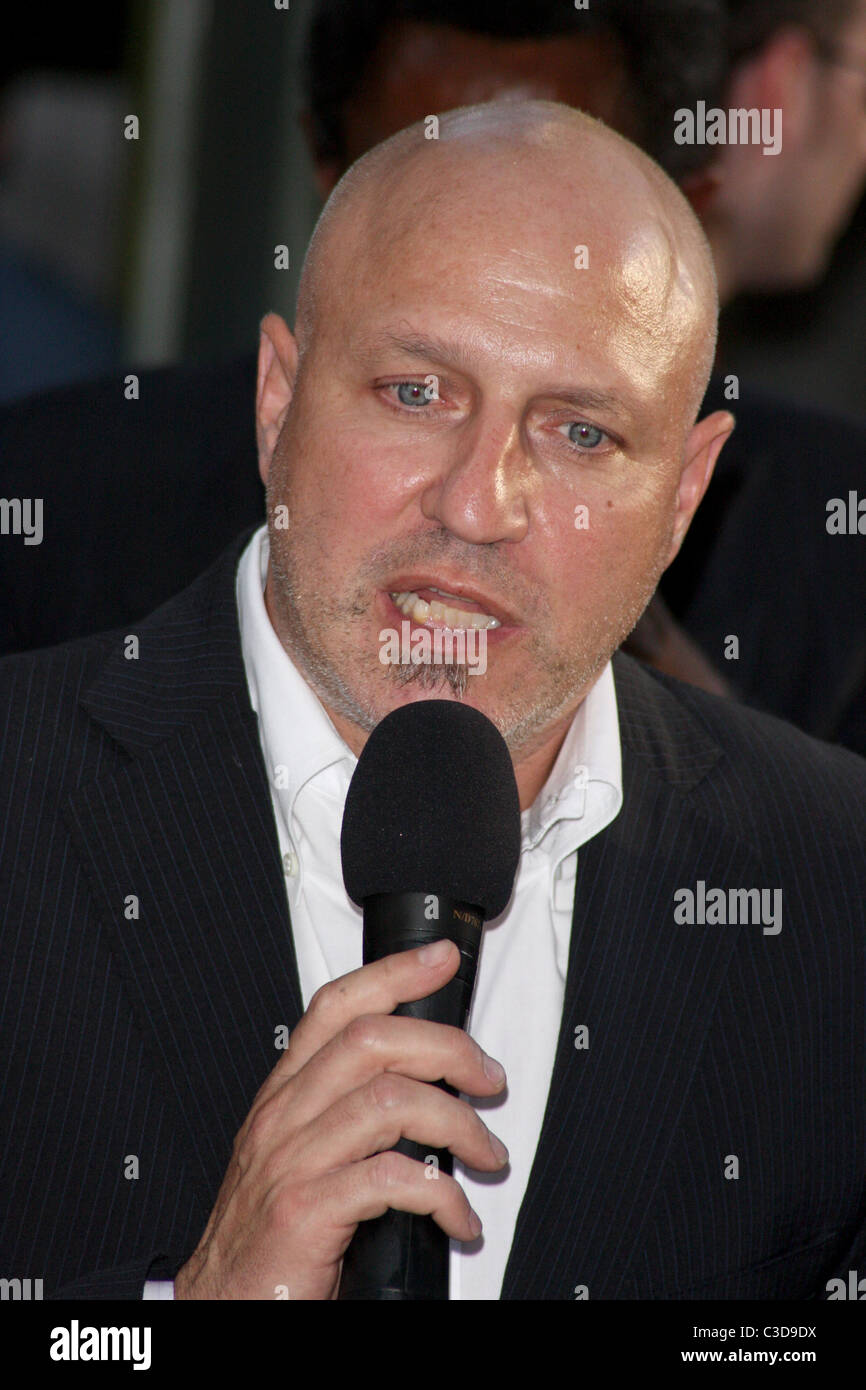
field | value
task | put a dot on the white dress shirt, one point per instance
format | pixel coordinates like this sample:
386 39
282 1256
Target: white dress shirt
517 1004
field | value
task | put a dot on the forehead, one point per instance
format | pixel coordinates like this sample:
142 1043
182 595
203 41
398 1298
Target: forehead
525 282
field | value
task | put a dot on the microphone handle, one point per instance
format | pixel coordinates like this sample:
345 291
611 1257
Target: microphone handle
401 1255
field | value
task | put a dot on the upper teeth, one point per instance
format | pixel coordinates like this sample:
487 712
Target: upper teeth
419 610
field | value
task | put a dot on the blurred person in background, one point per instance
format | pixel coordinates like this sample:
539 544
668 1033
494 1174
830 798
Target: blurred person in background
773 221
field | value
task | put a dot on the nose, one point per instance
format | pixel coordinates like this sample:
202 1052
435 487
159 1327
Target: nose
482 493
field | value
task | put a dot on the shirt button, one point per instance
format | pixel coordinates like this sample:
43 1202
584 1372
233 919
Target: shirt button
290 864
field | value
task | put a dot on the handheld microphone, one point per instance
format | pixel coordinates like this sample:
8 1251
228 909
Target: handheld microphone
429 845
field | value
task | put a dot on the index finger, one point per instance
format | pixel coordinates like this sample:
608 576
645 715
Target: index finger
376 988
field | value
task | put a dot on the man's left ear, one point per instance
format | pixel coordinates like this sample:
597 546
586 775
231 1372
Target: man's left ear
703 447
277 369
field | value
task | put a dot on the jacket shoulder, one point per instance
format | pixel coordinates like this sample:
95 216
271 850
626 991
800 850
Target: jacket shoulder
759 758
43 728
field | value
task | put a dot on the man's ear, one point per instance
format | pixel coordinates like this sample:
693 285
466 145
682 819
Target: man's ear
703 447
277 369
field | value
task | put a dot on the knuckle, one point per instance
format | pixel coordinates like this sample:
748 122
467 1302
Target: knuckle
460 1046
387 1169
324 1001
386 1090
364 1032
274 1167
242 1147
259 1127
242 1154
288 1208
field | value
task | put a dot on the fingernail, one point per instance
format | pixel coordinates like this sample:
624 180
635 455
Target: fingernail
498 1148
475 1223
435 953
493 1070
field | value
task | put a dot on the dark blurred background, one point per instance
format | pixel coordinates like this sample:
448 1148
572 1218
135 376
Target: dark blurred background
809 346
156 250
161 249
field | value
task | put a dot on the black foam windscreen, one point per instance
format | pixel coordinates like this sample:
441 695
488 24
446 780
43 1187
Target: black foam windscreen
433 807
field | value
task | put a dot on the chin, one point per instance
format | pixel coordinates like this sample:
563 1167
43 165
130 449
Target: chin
473 692
434 688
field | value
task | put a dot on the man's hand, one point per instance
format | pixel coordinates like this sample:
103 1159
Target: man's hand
311 1159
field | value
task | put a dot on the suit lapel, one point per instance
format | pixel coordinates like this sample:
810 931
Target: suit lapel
186 828
645 988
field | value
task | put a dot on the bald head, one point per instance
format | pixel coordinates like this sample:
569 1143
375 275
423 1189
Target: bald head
540 179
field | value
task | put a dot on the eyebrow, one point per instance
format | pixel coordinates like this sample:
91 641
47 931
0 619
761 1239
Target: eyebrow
431 348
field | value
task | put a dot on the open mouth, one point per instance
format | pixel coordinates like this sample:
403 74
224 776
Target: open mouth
435 608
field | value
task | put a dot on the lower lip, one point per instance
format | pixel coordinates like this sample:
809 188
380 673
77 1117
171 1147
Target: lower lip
395 616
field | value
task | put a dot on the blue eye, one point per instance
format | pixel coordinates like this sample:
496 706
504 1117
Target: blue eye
588 435
411 393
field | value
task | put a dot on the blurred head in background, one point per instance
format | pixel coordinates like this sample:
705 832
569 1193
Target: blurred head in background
772 220
376 66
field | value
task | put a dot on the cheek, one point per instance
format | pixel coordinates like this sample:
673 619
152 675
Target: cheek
345 470
625 506
607 540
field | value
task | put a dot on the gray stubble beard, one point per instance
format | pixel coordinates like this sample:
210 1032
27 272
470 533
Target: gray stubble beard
519 731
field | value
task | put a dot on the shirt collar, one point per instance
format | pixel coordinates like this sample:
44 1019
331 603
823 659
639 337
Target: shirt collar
590 758
297 736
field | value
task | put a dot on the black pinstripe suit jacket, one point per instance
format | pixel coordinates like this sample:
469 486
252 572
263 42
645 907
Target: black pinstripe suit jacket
148 1036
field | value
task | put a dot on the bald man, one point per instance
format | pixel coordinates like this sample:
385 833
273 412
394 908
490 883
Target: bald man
483 423
550 379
